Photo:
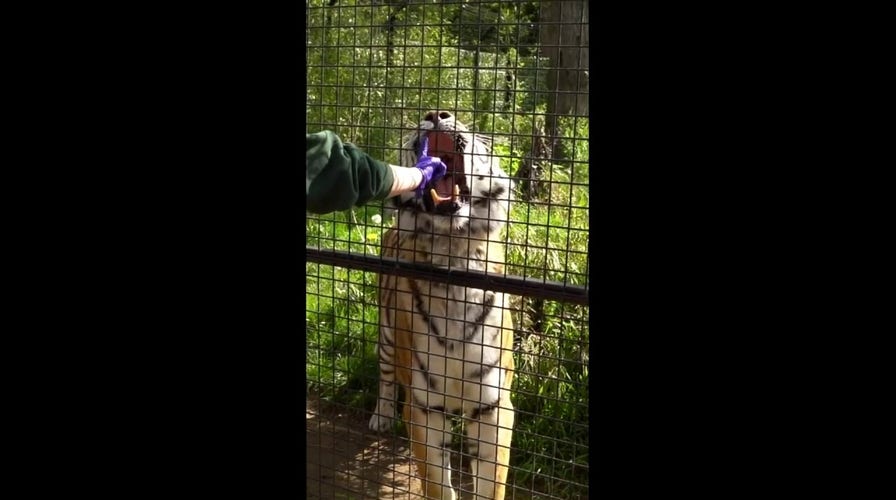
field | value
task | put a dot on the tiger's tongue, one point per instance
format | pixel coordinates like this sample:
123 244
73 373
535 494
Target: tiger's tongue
445 186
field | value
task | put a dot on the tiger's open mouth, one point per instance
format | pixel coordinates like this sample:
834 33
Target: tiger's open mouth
449 194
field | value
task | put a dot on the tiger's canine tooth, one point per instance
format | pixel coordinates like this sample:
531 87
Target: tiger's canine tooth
438 199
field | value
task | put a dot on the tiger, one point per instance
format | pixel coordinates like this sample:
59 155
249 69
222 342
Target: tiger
449 347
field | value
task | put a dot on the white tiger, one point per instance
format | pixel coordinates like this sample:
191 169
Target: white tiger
449 346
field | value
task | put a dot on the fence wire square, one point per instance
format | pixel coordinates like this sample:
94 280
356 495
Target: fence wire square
516 74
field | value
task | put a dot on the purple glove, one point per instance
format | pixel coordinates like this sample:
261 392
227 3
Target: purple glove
433 169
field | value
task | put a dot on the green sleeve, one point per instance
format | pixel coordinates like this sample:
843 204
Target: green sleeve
339 176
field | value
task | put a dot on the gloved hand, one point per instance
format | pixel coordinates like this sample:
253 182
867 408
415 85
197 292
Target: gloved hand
433 169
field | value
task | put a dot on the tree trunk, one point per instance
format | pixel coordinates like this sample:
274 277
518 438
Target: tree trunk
509 86
390 31
530 174
563 39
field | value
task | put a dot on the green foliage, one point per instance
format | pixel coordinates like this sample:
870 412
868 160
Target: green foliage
372 72
495 26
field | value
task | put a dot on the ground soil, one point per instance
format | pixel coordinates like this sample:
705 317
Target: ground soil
348 461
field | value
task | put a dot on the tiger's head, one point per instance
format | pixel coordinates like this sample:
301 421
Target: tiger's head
472 198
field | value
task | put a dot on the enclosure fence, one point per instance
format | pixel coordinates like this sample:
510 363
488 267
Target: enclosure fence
515 73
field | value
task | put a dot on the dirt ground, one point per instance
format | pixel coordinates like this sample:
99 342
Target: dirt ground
348 461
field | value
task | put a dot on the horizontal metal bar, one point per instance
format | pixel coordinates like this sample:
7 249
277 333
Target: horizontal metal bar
515 285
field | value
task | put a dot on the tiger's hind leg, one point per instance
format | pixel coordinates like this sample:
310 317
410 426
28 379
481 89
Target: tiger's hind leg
488 436
383 417
489 428
430 435
384 414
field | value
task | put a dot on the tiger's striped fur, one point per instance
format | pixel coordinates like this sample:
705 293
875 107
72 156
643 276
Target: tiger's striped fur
448 346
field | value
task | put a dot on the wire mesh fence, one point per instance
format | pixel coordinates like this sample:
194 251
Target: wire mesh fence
511 78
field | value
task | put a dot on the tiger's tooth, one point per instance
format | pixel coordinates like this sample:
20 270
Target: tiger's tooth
438 199
456 192
435 196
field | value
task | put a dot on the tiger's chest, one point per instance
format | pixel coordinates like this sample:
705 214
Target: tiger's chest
457 330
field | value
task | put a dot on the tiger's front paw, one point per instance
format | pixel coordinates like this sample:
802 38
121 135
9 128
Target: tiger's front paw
379 423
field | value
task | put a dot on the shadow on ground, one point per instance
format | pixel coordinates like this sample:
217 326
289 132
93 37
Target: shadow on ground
348 461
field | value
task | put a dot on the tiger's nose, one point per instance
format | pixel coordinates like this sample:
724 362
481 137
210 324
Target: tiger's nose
436 116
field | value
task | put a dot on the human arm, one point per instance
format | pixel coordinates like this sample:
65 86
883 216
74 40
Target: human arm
404 179
339 175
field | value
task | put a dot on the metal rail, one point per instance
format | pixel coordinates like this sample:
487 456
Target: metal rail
515 285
